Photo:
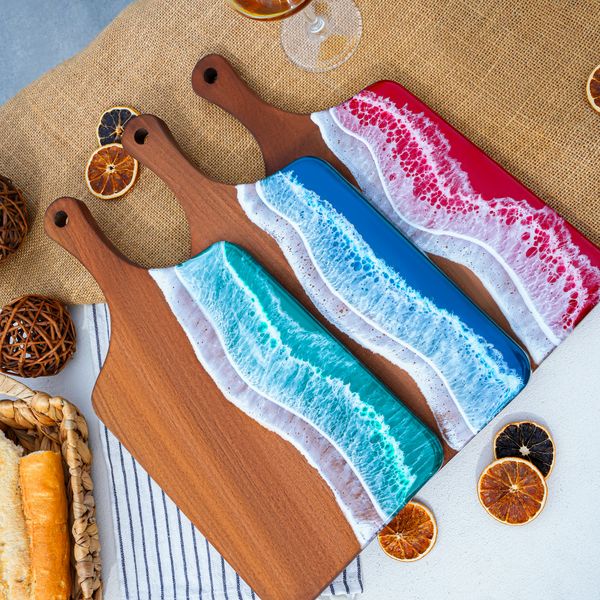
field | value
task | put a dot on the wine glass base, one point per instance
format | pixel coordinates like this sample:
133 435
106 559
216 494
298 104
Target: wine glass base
322 46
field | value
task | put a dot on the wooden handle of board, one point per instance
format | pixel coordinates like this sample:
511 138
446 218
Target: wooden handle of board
218 82
69 223
282 136
148 139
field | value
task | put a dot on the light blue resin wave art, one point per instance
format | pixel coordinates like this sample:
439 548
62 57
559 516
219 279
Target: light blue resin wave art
378 288
275 362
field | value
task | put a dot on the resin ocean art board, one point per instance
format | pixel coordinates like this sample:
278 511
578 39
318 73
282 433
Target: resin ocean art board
278 365
453 201
373 284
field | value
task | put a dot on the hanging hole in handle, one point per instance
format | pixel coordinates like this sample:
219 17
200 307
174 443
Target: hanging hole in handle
140 136
211 75
61 218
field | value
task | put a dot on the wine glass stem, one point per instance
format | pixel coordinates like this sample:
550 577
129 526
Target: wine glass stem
315 23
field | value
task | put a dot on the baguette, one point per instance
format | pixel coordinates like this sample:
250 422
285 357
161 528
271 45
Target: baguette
46 519
14 546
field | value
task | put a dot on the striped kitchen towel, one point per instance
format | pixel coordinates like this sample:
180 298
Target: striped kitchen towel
161 554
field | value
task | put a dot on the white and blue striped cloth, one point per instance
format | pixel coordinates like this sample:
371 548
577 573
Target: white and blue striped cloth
161 554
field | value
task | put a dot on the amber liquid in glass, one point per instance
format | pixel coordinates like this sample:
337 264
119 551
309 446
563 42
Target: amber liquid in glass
268 10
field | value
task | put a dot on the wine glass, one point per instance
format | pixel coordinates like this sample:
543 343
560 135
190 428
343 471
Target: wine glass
316 35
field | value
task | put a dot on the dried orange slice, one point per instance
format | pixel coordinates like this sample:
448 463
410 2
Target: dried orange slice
111 172
410 535
527 440
512 490
593 89
112 124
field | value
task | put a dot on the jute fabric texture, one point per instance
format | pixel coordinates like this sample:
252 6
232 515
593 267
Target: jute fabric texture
509 74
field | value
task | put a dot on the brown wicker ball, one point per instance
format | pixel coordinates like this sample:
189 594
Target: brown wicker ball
13 218
37 337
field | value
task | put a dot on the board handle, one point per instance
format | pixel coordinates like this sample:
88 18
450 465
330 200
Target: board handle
70 224
148 139
215 80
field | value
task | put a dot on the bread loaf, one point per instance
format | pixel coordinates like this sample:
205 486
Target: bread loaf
14 545
45 507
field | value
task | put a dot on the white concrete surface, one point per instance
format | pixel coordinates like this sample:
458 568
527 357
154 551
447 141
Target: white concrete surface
556 557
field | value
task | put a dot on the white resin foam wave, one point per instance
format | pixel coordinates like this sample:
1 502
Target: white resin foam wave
371 302
448 417
524 256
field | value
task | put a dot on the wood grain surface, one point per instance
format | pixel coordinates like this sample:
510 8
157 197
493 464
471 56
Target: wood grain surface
252 494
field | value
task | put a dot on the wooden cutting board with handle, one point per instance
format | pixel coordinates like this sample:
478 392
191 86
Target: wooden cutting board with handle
529 269
384 299
288 470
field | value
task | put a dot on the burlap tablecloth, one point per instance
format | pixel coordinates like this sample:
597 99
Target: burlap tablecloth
509 74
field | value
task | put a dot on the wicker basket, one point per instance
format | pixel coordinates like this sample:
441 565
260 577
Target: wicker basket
38 421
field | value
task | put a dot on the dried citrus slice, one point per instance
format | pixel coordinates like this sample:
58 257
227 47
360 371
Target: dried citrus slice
593 89
410 535
111 172
112 124
512 490
527 440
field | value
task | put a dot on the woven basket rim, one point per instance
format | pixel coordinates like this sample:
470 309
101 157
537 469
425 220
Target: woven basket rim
56 421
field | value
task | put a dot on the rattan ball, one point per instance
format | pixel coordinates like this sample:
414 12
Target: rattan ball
13 218
37 337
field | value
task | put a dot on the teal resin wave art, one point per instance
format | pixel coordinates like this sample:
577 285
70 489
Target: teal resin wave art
275 362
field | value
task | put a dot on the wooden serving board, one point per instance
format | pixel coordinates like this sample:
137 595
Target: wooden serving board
394 312
217 336
272 438
530 270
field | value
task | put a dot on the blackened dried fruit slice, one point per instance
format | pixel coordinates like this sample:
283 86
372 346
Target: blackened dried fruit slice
112 124
527 440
